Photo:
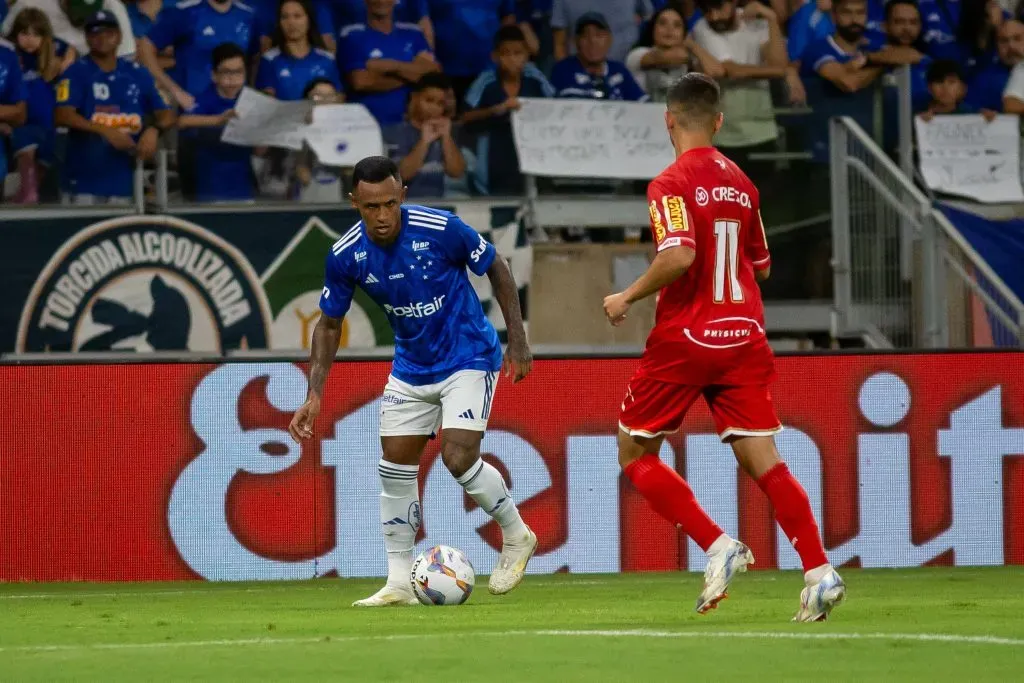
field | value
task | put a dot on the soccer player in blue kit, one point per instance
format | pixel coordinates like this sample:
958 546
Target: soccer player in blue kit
412 261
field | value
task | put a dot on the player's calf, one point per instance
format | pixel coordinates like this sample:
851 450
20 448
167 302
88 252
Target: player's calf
484 483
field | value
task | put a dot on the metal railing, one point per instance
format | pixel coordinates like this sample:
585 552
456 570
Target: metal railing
902 272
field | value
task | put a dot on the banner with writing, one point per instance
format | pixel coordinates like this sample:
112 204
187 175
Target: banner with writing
207 281
591 139
968 156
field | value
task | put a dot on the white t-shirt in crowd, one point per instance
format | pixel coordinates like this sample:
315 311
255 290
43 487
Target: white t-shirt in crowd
1015 86
72 35
655 81
747 104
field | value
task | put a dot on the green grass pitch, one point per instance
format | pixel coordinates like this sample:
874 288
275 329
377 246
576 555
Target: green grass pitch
934 624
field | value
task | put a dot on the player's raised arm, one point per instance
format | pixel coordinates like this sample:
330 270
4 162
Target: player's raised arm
518 358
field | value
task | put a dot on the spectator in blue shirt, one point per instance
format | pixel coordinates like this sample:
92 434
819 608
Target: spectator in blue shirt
194 28
947 90
297 56
381 58
976 33
903 46
104 101
41 58
464 33
223 171
348 12
838 77
810 23
491 100
267 22
986 86
941 21
142 14
423 145
589 73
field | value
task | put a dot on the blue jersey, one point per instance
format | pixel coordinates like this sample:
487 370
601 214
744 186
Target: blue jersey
121 99
223 171
288 76
194 28
939 19
464 31
421 283
985 89
12 85
570 79
347 12
359 44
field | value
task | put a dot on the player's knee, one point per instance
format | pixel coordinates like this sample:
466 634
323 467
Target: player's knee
629 449
458 458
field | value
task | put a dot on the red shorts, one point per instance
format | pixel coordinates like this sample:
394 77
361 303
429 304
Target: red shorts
653 408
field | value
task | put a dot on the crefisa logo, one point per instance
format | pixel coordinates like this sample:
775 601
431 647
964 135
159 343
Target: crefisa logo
145 283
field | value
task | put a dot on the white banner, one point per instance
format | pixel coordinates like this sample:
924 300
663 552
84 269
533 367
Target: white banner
969 156
342 134
266 121
591 139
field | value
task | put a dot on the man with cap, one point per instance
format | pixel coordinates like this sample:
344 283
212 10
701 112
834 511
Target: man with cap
104 101
590 74
68 18
622 17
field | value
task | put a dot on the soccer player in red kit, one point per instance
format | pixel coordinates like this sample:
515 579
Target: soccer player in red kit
709 340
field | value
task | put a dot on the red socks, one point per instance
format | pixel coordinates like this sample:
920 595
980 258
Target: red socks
672 498
793 513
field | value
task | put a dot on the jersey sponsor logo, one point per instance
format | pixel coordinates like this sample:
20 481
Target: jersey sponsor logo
396 276
129 123
360 256
675 214
726 333
670 242
479 251
730 195
659 227
420 246
417 309
701 197
135 285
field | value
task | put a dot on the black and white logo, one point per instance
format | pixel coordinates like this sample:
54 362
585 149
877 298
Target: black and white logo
144 283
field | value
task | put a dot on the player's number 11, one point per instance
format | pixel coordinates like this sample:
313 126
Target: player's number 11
727 240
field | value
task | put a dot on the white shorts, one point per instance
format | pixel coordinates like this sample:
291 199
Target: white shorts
462 401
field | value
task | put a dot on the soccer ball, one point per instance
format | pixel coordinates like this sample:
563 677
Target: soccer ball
442 575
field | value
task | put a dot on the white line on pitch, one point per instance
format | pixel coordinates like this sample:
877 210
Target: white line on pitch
635 633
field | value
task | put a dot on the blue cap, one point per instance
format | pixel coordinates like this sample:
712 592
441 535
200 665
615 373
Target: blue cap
101 20
591 19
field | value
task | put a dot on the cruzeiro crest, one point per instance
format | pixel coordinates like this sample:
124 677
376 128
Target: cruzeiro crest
145 283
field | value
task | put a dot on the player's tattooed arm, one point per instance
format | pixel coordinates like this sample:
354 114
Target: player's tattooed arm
518 358
326 336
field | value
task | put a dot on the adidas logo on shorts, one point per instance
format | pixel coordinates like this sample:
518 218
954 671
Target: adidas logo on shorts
468 415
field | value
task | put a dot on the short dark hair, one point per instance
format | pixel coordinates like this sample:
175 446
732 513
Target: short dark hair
319 80
708 5
433 79
224 52
836 4
509 34
695 100
375 170
892 4
941 69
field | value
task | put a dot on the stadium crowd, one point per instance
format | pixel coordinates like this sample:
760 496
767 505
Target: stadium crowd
89 87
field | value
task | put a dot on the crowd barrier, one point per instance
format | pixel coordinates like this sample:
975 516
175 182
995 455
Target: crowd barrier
186 471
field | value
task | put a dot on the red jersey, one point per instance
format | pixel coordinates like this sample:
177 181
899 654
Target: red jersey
709 327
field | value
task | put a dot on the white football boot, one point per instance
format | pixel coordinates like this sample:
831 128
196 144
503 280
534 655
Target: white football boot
389 596
722 568
515 555
825 589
